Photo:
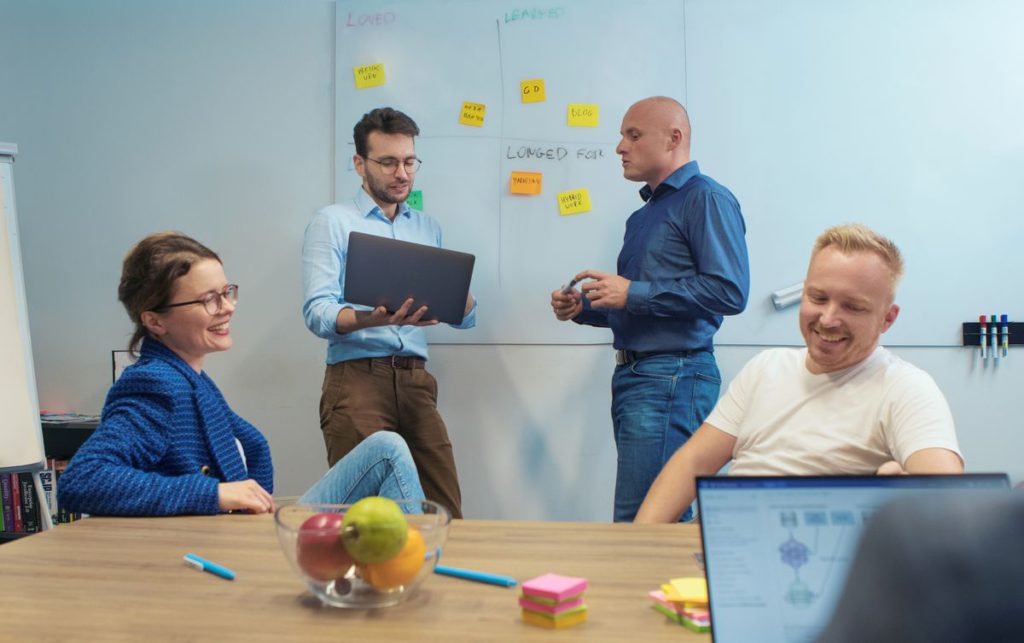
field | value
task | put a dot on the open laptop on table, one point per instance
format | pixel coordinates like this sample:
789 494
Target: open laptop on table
380 271
777 549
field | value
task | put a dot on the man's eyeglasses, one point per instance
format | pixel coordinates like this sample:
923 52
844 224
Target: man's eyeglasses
390 164
213 302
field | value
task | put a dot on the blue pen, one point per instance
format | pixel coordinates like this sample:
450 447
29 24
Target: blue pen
207 566
480 577
1004 322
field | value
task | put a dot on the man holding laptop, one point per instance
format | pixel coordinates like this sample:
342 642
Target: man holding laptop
376 377
841 405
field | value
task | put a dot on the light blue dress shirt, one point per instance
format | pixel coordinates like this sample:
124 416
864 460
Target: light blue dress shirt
324 252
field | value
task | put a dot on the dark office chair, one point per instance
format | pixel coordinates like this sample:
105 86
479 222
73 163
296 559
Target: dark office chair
944 568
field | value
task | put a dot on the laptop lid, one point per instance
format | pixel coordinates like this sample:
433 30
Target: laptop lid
385 272
777 549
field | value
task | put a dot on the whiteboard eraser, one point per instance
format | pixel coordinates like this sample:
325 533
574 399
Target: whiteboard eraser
786 297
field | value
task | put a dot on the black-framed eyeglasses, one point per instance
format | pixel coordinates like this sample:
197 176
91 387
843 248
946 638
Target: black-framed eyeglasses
390 164
213 302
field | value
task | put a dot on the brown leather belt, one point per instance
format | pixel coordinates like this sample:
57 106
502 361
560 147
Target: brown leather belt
400 361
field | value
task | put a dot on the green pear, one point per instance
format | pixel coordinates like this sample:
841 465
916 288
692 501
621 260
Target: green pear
374 530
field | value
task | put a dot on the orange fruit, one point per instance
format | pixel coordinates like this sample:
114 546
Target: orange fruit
399 570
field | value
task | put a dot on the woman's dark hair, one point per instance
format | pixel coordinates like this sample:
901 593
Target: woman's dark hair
385 120
149 272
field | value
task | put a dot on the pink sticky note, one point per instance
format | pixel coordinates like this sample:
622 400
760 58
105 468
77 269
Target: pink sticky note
554 586
658 597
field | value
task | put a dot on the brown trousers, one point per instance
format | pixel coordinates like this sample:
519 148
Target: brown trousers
362 396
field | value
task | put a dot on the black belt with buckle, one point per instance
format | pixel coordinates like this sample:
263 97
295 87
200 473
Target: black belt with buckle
401 361
623 357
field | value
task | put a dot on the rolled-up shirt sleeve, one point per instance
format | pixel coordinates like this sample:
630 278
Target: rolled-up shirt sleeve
323 266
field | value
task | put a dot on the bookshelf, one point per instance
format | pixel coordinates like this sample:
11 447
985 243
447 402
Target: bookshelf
60 440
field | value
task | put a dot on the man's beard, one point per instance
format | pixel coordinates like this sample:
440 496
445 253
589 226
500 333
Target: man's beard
379 190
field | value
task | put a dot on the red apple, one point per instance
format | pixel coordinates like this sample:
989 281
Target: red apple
321 553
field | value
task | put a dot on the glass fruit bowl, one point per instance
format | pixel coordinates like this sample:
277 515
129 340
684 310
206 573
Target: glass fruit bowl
346 567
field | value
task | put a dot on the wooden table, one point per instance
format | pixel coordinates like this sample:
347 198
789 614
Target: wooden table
123 579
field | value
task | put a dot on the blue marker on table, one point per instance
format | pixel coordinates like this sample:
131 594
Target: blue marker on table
480 577
1004 323
994 334
981 332
207 566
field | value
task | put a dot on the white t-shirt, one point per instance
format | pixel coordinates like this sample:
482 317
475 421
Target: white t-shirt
789 421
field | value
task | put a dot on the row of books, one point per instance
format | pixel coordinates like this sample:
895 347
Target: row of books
19 507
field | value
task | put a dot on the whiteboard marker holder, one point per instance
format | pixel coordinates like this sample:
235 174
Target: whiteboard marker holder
972 333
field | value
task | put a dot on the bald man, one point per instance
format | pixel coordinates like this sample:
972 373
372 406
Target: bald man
683 266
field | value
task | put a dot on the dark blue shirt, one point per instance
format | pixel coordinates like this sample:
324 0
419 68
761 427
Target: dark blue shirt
686 257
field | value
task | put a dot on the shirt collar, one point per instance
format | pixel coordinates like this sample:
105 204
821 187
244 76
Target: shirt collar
368 207
672 183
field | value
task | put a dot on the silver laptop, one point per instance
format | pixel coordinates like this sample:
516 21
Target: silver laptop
777 549
385 272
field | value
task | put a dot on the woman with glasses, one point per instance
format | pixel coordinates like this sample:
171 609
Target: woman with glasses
168 443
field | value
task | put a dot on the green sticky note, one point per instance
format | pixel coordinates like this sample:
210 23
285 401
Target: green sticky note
415 200
673 616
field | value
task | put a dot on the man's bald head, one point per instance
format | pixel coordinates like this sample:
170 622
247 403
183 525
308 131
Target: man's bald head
655 140
668 113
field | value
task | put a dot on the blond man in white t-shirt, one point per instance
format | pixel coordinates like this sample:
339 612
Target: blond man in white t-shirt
842 405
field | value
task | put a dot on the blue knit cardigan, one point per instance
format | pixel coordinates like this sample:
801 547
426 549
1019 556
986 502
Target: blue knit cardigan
166 439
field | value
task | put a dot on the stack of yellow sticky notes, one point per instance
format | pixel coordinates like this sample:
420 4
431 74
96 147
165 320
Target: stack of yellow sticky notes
685 601
554 601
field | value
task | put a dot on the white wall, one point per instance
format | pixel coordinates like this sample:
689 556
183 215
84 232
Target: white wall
215 117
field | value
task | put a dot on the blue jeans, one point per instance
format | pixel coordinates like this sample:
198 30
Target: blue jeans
657 404
380 465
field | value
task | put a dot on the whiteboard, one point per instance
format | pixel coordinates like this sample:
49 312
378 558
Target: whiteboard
904 115
21 439
901 115
439 54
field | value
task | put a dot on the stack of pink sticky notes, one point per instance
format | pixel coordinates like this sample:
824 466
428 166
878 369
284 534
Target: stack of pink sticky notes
685 601
554 601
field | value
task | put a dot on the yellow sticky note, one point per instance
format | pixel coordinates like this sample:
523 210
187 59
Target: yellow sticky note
525 182
692 589
369 75
532 90
472 114
573 201
583 115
